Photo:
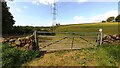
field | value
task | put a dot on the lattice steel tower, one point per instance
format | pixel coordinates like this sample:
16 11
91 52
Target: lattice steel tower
54 12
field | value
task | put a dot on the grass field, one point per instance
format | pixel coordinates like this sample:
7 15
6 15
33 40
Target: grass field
108 28
100 56
97 56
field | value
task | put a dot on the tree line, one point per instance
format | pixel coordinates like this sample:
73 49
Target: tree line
7 19
113 19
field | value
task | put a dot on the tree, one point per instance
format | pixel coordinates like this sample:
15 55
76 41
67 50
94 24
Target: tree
103 21
58 24
117 19
111 19
7 19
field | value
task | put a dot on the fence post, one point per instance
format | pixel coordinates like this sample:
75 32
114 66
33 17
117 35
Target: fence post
36 40
72 40
100 37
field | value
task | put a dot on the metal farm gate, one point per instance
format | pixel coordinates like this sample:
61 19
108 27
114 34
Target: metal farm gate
49 41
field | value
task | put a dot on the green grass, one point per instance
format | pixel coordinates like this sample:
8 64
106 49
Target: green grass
108 28
108 55
105 55
13 58
97 56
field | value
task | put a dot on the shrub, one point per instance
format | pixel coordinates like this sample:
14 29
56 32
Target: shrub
12 57
108 55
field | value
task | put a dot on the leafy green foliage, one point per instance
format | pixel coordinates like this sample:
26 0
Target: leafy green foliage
108 55
22 29
103 21
117 19
13 57
82 62
29 29
102 55
110 19
7 19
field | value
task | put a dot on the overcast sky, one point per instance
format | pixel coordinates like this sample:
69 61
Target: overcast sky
39 12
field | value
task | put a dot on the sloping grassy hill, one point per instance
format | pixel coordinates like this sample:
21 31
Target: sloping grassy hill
108 28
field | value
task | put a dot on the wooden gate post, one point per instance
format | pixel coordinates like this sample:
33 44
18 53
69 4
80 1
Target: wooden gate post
36 47
36 38
72 41
100 37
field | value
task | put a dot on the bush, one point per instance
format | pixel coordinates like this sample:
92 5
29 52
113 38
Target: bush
103 21
12 57
108 55
110 19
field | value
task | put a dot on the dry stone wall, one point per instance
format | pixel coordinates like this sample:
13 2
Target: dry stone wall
111 39
25 43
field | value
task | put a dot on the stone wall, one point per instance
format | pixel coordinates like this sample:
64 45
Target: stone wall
25 43
111 39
